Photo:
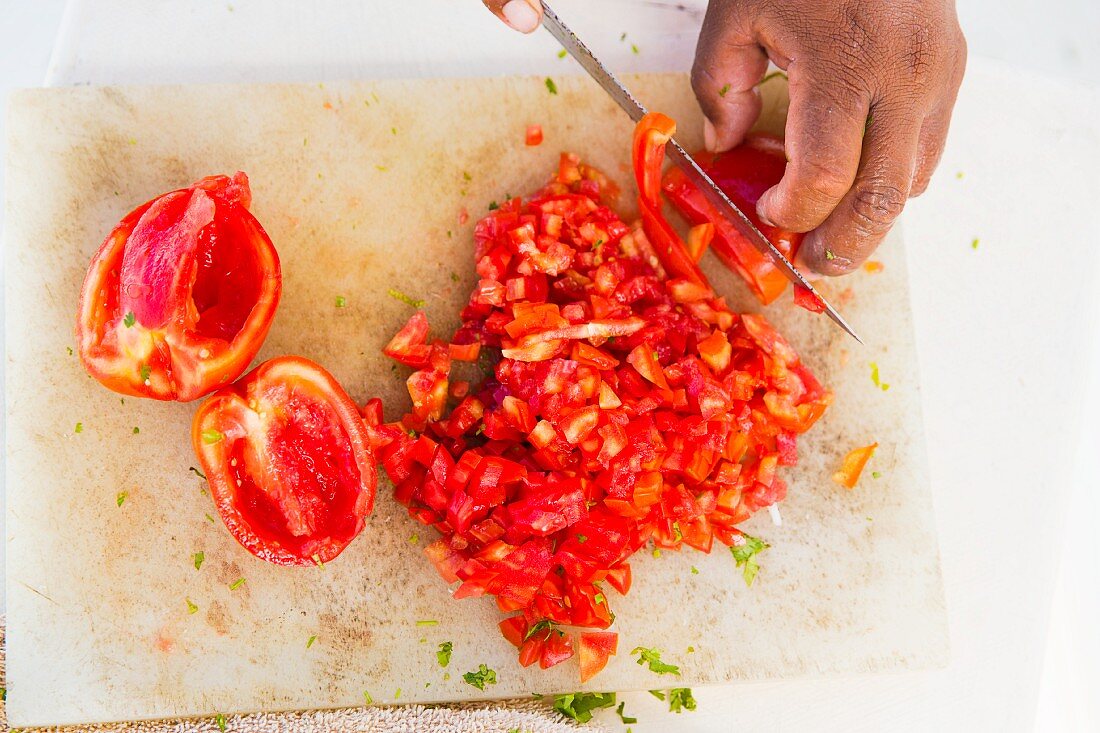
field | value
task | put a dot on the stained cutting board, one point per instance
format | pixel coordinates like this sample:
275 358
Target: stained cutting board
361 186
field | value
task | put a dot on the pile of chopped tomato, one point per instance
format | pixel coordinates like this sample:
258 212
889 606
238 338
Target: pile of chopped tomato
629 405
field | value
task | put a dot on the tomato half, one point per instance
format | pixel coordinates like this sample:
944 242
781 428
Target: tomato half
744 173
180 296
287 457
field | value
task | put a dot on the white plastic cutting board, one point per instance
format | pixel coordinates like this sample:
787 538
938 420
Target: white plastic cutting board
359 185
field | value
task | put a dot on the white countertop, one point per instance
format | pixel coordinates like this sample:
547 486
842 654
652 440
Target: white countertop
1006 334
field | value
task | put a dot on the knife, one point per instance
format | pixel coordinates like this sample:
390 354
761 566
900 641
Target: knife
717 197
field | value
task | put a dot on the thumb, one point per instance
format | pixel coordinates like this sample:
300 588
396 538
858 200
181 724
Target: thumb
522 15
728 66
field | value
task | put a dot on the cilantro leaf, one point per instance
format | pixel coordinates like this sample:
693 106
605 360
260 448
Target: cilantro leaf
211 436
121 497
198 557
627 720
129 319
579 705
551 86
443 656
310 640
745 555
652 657
538 627
679 699
480 677
407 300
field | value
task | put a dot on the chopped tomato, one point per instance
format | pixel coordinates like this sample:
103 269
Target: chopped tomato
181 294
626 408
853 464
596 648
534 135
804 298
287 457
744 173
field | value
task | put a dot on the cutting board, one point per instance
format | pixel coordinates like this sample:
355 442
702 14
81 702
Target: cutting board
362 187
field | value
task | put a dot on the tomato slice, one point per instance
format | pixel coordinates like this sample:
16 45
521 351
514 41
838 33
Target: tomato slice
180 296
596 648
853 464
288 461
744 173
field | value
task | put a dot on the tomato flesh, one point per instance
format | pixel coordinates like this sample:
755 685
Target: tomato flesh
180 296
288 461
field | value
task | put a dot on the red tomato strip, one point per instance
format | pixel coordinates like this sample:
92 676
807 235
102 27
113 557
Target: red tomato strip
626 408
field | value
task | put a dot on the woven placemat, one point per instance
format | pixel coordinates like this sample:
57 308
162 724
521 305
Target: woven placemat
504 716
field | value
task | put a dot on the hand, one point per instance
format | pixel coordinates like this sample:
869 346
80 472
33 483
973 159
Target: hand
523 15
872 85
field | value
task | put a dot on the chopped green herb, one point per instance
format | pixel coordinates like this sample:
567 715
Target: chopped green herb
622 37
652 657
959 176
551 86
745 555
561 54
454 277
211 436
197 472
397 694
398 295
121 498
676 533
724 90
582 538
191 607
79 428
129 319
210 519
414 538
145 372
427 622
69 349
136 430
448 234
773 75
481 677
974 243
599 598
236 584
538 627
679 699
579 705
657 694
875 378
381 168
694 570
446 676
341 301
623 716
691 650
393 130
366 696
220 720
656 552
634 48
597 245
466 176
310 640
493 206
198 557
876 474
443 656
829 254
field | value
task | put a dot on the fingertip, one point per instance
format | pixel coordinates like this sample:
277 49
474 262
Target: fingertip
815 257
764 205
521 15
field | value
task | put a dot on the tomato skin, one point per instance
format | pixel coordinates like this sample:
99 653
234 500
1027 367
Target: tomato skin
288 460
181 294
596 648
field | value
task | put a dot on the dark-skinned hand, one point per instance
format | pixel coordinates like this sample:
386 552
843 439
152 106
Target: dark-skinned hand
872 87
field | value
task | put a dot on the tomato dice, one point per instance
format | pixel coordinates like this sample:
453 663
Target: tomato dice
596 648
180 296
853 464
287 457
533 135
626 408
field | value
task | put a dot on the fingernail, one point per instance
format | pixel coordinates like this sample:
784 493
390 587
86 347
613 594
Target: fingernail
520 16
762 205
710 136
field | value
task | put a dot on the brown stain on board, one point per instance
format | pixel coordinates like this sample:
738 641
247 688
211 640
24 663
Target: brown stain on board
132 564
